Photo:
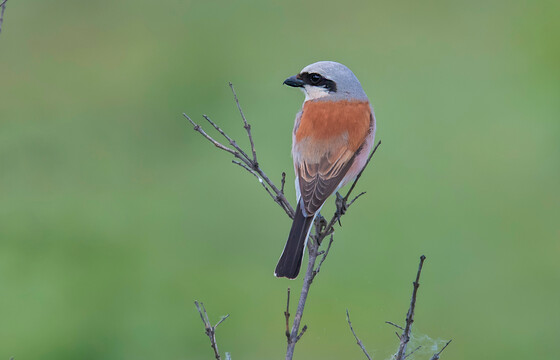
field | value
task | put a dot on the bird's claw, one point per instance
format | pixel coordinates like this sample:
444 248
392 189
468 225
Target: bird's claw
341 207
320 223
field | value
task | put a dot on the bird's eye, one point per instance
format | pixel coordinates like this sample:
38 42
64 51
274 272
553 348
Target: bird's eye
315 79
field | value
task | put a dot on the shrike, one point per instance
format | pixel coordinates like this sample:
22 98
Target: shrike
332 138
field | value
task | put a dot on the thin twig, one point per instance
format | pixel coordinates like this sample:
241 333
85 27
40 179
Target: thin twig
361 172
324 253
209 138
358 341
395 325
246 125
301 333
3 6
436 355
210 330
257 176
405 337
413 351
283 182
232 142
287 315
356 198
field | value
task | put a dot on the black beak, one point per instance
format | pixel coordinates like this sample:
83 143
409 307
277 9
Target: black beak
293 81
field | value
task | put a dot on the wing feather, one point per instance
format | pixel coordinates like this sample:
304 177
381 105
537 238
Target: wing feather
318 181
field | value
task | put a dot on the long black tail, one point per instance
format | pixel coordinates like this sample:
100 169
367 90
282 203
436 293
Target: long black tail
290 261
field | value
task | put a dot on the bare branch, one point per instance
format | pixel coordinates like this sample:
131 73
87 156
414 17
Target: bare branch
436 355
210 330
405 337
358 341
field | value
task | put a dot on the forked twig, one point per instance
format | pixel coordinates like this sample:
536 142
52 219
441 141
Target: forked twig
245 161
210 330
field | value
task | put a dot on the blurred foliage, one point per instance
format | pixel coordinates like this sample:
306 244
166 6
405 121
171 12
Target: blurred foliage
115 215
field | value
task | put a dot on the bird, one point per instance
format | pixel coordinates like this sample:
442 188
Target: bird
332 137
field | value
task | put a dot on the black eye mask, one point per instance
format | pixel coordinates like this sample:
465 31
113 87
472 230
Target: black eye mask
315 79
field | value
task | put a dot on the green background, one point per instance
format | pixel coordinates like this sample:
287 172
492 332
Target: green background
115 215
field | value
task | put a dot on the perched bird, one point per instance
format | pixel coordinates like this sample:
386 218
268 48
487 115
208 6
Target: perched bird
332 138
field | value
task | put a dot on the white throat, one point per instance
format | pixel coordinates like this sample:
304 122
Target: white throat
314 92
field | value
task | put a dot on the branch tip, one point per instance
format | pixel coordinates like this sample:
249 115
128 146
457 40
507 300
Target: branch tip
303 330
436 355
395 325
405 337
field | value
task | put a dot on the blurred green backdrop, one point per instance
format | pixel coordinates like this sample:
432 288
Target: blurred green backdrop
115 215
